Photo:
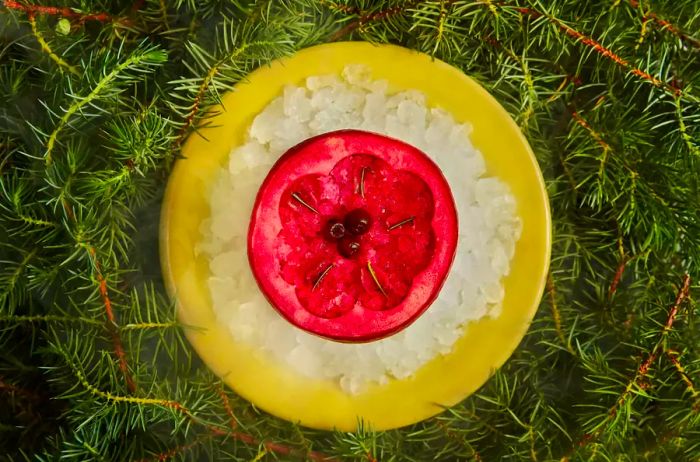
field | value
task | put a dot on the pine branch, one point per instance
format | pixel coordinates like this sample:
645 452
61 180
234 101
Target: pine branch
665 25
112 323
187 413
641 372
366 17
179 450
48 318
620 270
238 45
602 50
139 61
694 394
204 87
606 94
64 12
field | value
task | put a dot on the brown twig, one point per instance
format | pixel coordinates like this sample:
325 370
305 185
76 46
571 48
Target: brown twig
196 103
277 448
683 293
666 25
598 139
280 449
227 406
111 324
366 17
600 49
211 74
618 275
61 11
565 81
596 136
170 453
644 367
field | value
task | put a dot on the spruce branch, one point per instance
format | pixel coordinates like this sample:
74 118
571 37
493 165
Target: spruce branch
596 136
179 450
227 406
618 151
44 318
600 49
112 323
620 270
110 397
692 144
458 439
665 25
49 318
237 43
365 17
64 12
635 385
694 393
11 291
204 87
140 61
187 413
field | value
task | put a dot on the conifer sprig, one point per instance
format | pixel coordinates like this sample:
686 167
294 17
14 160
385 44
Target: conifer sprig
93 111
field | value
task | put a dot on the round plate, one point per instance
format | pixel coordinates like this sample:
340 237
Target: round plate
446 380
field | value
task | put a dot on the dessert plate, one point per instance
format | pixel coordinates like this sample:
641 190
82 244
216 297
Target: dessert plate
446 380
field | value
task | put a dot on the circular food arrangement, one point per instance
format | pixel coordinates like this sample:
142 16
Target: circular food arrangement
352 239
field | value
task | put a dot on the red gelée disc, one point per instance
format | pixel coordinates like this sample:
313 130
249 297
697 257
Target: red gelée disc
330 288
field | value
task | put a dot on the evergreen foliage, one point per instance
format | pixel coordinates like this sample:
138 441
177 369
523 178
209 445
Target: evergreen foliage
96 98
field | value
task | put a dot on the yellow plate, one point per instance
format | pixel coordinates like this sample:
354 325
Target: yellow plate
444 381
